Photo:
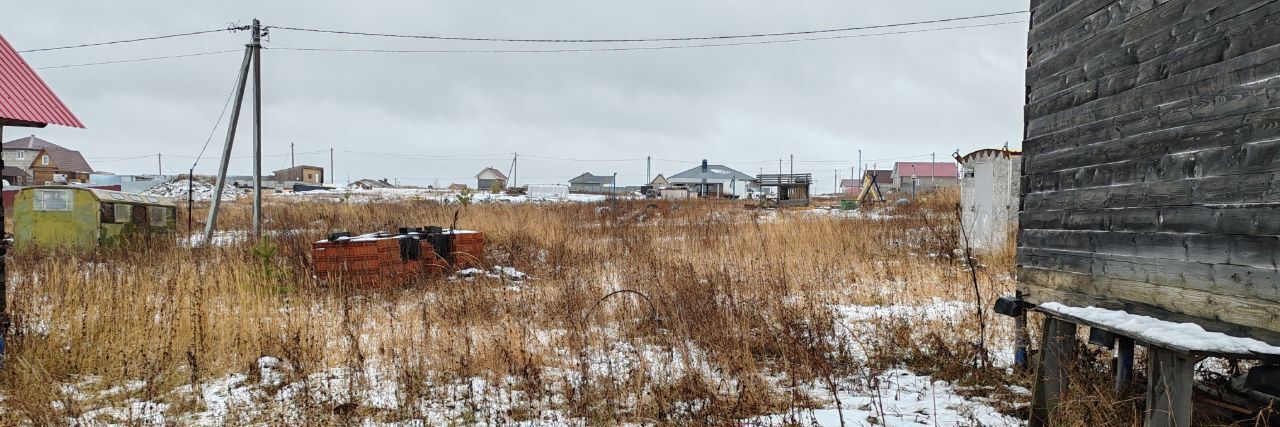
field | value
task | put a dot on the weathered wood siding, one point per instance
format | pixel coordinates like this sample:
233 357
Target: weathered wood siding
1151 174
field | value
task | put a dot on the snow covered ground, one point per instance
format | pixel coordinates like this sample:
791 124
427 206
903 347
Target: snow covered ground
270 392
898 398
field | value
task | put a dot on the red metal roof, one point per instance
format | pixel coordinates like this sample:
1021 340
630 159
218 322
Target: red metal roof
24 99
919 169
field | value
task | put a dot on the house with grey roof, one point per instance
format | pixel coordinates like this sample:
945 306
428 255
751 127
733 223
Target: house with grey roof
46 162
588 183
710 180
491 179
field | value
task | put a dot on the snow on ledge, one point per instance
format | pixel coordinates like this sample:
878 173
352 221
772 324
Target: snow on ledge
1189 336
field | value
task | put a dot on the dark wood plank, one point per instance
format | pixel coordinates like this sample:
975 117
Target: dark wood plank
1242 281
1196 305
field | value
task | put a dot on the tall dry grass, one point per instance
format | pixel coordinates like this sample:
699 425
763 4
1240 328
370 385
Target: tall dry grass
734 304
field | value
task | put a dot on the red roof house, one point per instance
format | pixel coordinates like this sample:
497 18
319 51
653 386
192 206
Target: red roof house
927 175
24 98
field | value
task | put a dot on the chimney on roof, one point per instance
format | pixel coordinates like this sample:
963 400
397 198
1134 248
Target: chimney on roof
704 165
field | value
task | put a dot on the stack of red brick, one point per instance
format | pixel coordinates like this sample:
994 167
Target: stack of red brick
383 258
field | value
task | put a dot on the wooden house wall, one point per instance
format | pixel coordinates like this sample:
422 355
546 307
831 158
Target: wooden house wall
1151 152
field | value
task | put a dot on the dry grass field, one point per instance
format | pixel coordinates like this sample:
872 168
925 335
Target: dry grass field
725 316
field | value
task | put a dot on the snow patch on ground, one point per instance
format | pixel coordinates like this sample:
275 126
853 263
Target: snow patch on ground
201 190
898 398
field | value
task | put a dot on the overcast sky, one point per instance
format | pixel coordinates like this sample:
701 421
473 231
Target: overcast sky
386 114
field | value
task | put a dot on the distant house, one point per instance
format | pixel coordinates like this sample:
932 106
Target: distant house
490 179
880 176
46 162
301 173
458 187
591 184
660 182
710 180
924 176
849 187
370 184
989 194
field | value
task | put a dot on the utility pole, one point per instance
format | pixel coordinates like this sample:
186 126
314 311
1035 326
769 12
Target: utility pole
648 169
913 183
515 168
333 179
835 189
859 166
212 222
159 165
793 164
292 163
256 46
933 169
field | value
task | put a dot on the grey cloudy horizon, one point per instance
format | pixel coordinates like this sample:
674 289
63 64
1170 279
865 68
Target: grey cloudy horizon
397 115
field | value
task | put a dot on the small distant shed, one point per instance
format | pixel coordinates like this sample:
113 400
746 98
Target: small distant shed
589 183
674 193
301 173
371 184
989 193
660 182
793 188
491 179
77 216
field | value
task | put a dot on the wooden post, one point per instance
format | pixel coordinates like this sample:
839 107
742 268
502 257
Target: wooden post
1057 350
4 281
1170 381
256 48
1020 344
1124 363
212 222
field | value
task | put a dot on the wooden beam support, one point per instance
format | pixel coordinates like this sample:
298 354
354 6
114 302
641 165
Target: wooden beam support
1057 352
1170 383
1124 363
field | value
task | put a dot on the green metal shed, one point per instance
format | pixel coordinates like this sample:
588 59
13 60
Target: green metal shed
64 215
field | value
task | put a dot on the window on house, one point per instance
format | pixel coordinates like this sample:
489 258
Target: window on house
123 213
44 160
158 215
53 200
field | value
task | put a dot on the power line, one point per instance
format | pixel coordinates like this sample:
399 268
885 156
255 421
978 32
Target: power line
640 48
500 51
582 160
232 92
166 36
636 40
426 156
153 58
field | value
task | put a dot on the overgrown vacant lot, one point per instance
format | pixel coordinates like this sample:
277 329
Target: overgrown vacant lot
729 316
